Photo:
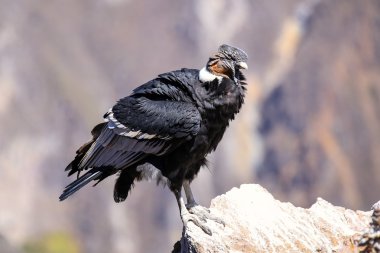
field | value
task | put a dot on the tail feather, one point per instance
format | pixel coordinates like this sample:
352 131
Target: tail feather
124 183
74 166
93 174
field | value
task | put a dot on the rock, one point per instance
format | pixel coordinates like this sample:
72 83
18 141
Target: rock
370 240
257 222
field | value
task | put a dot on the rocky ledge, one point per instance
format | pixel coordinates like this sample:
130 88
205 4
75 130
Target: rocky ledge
256 222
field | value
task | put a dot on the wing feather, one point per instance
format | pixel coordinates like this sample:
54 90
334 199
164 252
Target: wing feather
158 117
154 120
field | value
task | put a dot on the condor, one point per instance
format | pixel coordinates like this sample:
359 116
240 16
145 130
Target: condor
164 131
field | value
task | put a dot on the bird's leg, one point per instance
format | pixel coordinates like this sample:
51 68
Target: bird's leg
196 209
186 216
189 194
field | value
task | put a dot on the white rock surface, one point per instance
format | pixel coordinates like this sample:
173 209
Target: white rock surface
256 222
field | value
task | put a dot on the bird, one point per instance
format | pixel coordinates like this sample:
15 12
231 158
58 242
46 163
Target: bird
164 130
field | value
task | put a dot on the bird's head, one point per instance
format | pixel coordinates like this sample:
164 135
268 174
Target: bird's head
226 63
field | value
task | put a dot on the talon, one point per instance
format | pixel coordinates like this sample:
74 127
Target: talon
205 214
198 221
191 211
219 220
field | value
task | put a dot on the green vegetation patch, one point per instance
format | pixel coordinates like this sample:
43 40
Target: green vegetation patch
56 242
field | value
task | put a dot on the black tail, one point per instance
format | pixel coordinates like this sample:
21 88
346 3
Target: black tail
124 183
74 167
92 174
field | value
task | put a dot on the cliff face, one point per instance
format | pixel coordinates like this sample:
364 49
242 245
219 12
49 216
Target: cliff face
256 222
321 123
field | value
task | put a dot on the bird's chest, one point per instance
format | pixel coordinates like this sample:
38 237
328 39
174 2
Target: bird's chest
213 125
208 138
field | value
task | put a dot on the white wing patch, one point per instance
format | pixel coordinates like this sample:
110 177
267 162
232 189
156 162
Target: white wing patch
207 76
111 118
129 132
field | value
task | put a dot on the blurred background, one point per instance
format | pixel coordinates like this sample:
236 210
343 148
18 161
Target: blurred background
310 126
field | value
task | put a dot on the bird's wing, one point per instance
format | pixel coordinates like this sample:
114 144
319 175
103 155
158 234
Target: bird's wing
143 118
155 119
136 128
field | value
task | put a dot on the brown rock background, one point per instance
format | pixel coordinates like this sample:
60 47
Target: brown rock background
326 113
310 126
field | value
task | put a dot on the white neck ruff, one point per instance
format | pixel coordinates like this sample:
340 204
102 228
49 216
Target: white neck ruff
207 76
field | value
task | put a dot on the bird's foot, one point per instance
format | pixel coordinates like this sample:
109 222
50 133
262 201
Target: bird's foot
204 213
199 221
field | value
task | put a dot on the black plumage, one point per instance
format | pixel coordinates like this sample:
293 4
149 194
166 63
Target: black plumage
164 129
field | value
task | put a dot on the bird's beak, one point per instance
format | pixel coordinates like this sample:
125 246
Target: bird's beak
242 65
